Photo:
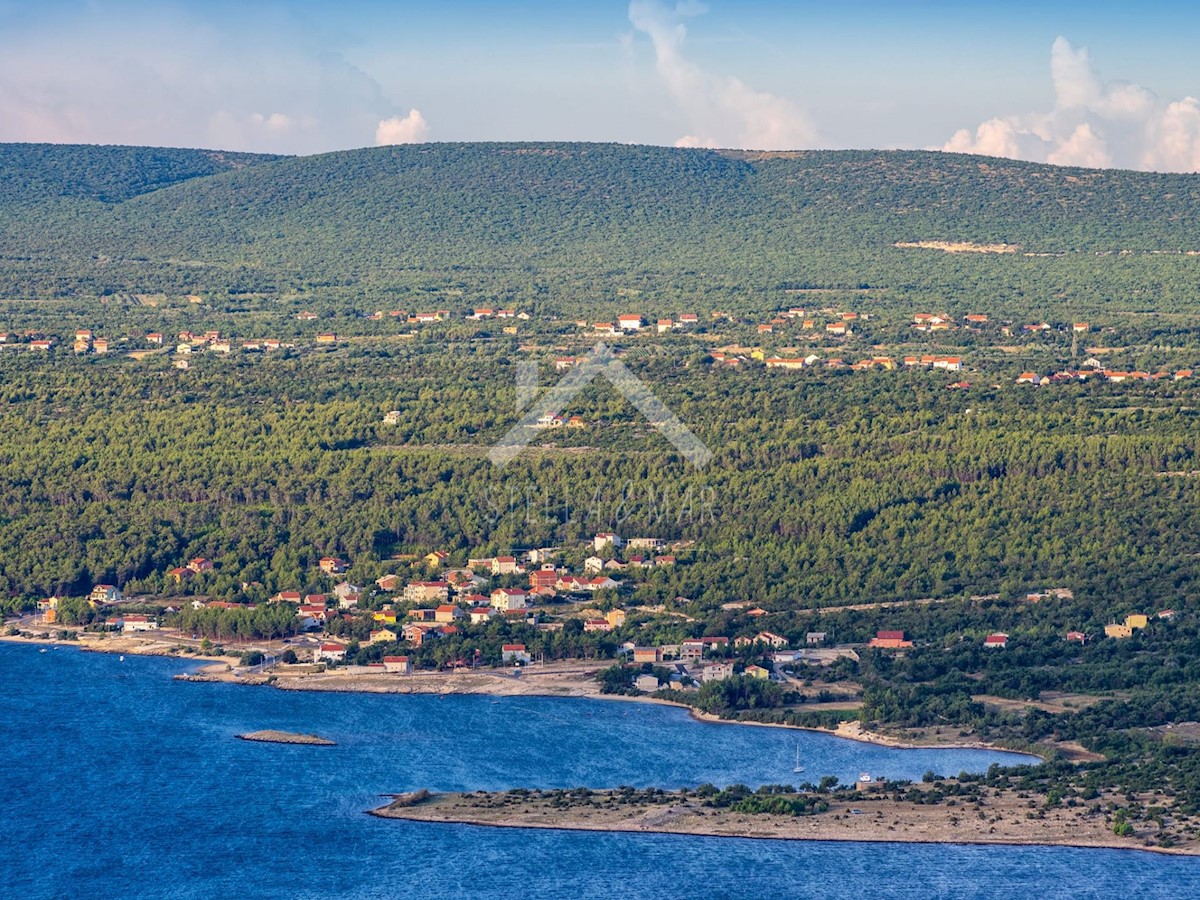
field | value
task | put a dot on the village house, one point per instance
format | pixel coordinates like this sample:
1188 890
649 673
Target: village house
506 565
200 564
447 613
331 651
105 593
286 597
646 683
717 672
890 640
1077 636
481 615
389 582
507 599
383 636
543 578
590 625
593 564
607 539
436 559
345 589
417 635
427 592
387 615
311 616
757 672
421 614
1132 623
615 617
647 655
996 641
515 654
814 638
629 322
180 574
139 623
332 565
779 362
397 665
772 640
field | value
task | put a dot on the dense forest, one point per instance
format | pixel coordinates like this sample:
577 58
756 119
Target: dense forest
828 486
563 229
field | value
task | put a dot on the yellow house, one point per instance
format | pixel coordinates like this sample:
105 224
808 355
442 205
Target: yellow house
616 618
1118 631
387 616
383 635
50 616
757 672
1135 621
758 353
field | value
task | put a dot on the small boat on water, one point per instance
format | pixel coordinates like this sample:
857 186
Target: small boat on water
798 767
43 650
121 659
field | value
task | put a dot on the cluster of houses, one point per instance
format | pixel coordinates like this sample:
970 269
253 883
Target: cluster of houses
629 323
975 321
1096 370
460 595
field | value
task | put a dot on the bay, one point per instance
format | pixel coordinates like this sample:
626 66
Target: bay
119 781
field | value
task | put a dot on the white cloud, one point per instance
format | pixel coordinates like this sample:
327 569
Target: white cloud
1093 124
720 111
411 129
168 75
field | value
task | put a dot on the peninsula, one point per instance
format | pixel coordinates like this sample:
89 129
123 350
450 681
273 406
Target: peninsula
942 812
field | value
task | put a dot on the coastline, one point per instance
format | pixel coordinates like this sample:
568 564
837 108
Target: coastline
569 680
864 819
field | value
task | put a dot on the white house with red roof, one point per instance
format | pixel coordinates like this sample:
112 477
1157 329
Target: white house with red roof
514 653
629 322
331 651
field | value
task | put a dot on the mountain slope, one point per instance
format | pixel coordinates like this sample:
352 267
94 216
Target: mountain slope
105 219
32 173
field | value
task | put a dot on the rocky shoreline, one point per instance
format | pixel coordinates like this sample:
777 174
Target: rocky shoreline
1004 819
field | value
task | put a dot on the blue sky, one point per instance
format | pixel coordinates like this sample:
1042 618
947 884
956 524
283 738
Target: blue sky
1094 84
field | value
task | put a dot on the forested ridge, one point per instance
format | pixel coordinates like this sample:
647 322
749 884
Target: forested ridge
562 227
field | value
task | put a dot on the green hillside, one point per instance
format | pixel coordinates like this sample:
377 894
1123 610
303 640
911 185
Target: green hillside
38 173
581 217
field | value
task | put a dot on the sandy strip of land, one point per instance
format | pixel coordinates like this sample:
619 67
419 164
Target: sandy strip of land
130 645
286 737
1006 819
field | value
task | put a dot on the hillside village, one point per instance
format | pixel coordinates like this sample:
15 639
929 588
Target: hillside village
827 340
506 612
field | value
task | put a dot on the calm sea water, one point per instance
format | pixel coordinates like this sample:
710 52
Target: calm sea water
117 781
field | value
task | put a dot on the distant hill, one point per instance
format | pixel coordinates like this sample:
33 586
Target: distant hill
104 219
34 173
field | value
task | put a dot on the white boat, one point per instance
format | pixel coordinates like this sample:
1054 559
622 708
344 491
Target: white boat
798 767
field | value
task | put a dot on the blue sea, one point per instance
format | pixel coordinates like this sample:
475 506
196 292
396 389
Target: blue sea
118 781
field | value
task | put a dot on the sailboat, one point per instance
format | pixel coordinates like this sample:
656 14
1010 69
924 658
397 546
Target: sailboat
798 767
